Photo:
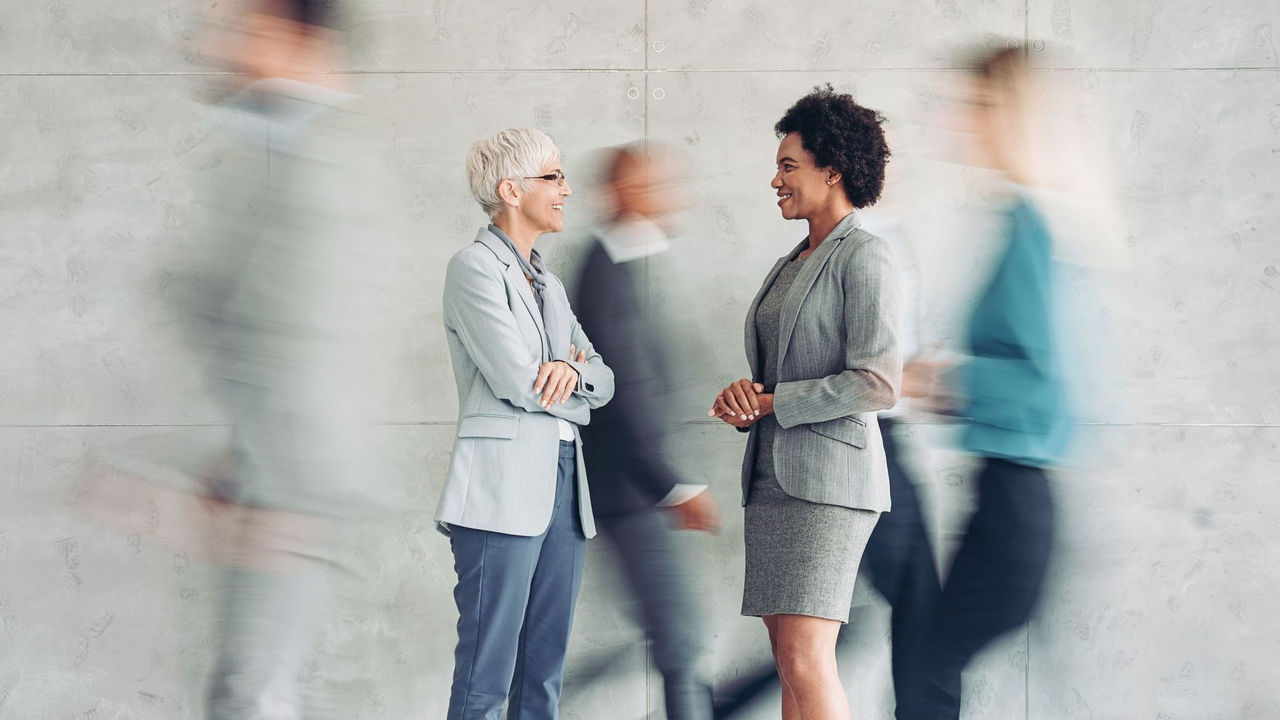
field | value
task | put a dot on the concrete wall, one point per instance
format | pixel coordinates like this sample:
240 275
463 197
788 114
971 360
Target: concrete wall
1162 600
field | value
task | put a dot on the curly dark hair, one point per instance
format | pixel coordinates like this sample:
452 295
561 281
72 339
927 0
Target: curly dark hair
843 136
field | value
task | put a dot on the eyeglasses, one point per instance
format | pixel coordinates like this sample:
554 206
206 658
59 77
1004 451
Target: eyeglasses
556 176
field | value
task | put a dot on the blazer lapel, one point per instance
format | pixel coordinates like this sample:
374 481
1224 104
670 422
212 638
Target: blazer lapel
515 276
752 342
813 266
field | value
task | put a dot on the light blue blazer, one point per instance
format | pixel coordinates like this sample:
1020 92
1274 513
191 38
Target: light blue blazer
502 476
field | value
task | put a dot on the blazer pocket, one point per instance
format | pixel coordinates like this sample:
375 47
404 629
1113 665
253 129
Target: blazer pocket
846 430
489 426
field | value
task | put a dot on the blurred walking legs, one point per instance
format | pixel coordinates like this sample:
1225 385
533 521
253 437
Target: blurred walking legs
649 550
993 585
899 558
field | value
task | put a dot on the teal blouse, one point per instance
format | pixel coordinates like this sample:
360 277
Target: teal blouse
1015 382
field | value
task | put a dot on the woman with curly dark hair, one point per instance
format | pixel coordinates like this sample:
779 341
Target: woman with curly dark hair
822 340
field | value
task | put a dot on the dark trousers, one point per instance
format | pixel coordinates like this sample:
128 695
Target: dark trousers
992 588
515 598
658 571
899 561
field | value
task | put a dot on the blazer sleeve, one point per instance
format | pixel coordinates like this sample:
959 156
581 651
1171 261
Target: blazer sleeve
474 309
872 349
595 379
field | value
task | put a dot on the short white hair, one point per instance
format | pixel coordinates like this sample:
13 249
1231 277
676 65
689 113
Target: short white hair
514 154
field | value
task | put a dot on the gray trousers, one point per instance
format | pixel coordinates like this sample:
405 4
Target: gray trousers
515 598
267 623
659 577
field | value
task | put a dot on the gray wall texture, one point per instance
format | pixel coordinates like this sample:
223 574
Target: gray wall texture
1163 600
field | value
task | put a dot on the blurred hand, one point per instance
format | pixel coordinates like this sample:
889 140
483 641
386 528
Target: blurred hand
556 381
921 378
581 355
697 513
741 404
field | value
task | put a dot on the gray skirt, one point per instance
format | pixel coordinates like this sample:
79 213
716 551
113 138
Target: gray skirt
802 557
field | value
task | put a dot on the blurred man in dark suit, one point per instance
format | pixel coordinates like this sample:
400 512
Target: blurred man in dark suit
640 500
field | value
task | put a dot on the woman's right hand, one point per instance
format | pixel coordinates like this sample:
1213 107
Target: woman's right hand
557 379
738 404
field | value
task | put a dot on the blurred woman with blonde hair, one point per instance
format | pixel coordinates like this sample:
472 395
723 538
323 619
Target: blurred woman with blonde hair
1014 391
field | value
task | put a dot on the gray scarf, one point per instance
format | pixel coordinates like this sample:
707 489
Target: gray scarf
553 316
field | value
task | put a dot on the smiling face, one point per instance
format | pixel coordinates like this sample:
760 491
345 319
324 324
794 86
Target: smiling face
541 207
804 189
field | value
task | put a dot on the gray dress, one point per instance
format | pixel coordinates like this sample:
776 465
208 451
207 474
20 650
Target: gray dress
802 557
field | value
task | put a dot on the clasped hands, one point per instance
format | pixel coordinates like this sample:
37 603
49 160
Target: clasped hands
742 403
557 379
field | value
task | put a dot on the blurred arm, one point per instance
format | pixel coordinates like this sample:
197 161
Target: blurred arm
998 387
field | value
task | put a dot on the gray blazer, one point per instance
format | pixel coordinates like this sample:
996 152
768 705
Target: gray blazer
502 476
278 292
839 361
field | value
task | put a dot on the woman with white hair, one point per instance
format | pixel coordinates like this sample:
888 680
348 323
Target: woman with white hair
515 504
